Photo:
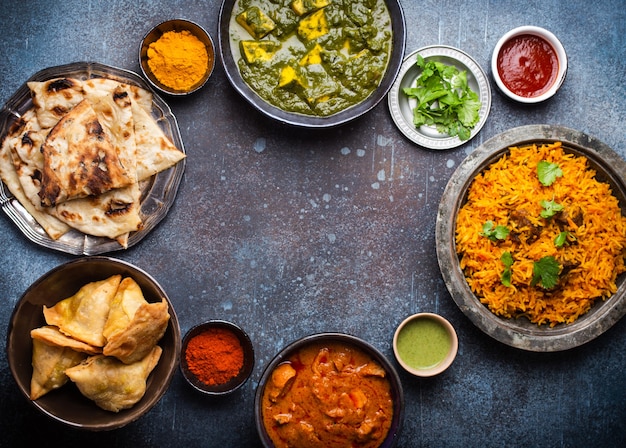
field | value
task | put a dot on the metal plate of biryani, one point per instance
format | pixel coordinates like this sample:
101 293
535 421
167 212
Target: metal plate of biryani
567 292
157 193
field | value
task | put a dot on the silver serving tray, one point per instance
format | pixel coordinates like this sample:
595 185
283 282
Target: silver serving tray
158 193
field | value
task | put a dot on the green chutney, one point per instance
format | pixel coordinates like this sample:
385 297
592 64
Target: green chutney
423 343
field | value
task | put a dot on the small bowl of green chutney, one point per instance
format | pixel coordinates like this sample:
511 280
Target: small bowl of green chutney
425 344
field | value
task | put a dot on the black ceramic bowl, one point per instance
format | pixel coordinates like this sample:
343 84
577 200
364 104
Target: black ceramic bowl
66 404
396 386
309 121
237 381
176 25
521 333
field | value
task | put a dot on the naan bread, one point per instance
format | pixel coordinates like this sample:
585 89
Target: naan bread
112 214
114 113
49 365
97 86
52 159
155 152
134 326
53 99
27 157
83 315
19 135
79 159
112 384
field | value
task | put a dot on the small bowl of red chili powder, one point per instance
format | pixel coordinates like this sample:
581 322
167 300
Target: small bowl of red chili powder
529 64
217 357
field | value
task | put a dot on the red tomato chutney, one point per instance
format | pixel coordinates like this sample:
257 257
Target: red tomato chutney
528 65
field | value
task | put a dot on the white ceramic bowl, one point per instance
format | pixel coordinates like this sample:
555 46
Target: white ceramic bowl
560 53
422 339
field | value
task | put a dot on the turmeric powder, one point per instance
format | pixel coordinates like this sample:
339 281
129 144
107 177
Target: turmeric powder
178 59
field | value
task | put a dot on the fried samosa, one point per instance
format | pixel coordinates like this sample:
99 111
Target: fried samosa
110 383
134 326
49 365
83 315
52 336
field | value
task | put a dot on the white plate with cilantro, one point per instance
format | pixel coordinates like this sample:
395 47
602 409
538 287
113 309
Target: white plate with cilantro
441 97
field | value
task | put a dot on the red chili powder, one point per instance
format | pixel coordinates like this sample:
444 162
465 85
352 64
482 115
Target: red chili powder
214 356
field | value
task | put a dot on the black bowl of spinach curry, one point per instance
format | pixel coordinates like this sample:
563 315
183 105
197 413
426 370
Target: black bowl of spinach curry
314 63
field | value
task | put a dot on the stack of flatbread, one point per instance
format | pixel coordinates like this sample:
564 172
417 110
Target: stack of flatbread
78 157
104 339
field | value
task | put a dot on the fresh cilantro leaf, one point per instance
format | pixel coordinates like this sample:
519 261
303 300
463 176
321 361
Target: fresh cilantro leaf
444 99
547 172
546 271
493 232
468 110
550 208
560 239
507 260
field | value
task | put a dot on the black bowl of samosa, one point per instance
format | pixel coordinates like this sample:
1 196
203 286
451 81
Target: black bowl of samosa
94 343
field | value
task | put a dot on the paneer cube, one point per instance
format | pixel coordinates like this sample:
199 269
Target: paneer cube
314 56
258 51
313 26
256 22
290 78
302 7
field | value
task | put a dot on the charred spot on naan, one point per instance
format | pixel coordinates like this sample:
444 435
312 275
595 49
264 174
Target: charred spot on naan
60 85
54 98
118 208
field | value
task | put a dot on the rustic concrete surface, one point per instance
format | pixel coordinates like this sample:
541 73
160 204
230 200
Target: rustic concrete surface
288 233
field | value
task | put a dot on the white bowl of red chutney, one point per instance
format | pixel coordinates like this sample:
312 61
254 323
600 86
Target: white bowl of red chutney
529 64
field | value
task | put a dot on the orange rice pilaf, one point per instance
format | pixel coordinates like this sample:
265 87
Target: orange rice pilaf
510 194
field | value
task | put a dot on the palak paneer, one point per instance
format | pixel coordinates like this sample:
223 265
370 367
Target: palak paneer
312 57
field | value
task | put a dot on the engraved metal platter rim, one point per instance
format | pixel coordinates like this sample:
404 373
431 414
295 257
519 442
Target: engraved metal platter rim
401 107
158 193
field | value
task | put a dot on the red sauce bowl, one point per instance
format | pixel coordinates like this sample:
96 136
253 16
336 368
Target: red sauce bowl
529 64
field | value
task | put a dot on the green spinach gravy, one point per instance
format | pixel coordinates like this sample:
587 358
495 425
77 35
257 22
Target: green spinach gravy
313 57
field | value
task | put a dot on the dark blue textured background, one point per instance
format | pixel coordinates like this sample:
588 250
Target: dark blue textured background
288 233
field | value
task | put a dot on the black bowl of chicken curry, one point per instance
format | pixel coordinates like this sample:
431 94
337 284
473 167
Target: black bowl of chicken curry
329 390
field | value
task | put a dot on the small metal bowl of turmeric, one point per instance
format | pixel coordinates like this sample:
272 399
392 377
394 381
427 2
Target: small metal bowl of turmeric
217 357
177 57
